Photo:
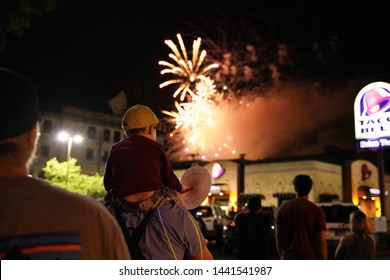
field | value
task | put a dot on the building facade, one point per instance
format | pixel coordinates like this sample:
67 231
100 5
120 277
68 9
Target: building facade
344 180
353 181
98 132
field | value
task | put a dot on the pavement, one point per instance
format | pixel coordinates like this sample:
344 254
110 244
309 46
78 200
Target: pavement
220 254
383 255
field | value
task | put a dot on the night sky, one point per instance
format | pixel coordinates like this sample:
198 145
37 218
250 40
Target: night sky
84 52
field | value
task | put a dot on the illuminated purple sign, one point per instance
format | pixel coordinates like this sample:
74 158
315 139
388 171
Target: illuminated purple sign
372 117
217 170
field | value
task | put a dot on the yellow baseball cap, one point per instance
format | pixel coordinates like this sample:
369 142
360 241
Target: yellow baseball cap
139 116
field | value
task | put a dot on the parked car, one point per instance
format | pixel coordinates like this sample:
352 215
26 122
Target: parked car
337 222
230 236
211 219
337 219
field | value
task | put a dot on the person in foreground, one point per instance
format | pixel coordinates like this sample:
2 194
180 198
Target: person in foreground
137 168
143 194
40 220
358 245
301 225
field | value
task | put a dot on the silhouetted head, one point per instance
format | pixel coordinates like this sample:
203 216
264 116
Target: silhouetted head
358 221
302 184
254 203
19 104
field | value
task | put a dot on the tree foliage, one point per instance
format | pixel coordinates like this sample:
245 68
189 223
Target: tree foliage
68 175
16 16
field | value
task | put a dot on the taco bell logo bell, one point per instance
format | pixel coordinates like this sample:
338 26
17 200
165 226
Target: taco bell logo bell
372 116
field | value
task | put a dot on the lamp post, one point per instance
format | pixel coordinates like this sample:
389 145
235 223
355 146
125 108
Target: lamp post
64 136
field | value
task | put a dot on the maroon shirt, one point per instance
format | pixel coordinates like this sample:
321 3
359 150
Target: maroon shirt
298 222
138 164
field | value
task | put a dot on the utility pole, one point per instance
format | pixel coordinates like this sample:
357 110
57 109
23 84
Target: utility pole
99 153
241 175
381 172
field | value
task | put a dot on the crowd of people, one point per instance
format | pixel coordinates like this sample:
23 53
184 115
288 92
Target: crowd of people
142 216
300 230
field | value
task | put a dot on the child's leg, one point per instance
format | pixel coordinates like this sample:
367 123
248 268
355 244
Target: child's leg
159 198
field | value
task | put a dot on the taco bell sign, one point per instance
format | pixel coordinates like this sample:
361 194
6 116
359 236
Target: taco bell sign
372 117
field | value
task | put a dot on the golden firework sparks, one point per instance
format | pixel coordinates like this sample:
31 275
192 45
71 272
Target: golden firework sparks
199 120
187 72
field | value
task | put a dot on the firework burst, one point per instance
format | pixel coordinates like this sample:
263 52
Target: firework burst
268 123
197 119
187 72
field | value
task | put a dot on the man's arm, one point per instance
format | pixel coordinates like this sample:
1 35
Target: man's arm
278 239
205 254
340 250
322 230
278 233
322 245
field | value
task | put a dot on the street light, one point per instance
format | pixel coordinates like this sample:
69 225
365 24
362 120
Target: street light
64 136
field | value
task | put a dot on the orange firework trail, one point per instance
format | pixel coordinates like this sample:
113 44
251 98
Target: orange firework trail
277 122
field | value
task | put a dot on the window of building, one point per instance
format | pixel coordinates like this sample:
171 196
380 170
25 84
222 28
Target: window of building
117 136
47 126
89 154
283 197
45 151
91 132
105 156
106 135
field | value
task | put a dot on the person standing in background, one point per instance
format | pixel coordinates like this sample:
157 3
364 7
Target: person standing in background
253 228
358 245
301 225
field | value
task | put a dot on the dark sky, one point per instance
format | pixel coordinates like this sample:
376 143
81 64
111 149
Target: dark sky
85 52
